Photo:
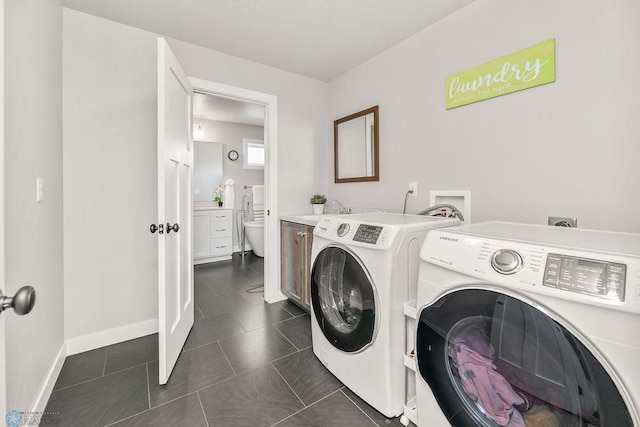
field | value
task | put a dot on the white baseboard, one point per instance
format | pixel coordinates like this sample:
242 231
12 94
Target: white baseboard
52 376
111 336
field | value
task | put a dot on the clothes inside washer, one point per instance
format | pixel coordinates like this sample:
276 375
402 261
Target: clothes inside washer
541 416
487 387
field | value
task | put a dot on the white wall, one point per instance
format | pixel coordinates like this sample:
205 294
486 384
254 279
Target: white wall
110 195
110 160
33 148
567 148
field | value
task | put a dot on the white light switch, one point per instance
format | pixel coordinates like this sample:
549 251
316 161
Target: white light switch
39 190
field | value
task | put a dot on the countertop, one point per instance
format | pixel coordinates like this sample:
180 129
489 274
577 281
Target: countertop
204 206
306 219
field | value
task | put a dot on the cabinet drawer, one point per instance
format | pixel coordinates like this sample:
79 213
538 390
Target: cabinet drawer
220 229
220 216
221 246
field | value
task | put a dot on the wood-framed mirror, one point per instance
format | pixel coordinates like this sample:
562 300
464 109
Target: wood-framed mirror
355 147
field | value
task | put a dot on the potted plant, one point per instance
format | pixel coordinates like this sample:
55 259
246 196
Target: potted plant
318 201
218 192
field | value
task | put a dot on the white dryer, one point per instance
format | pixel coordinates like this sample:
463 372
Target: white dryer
363 268
528 325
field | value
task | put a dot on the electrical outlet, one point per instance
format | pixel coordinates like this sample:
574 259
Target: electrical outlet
563 221
39 190
413 186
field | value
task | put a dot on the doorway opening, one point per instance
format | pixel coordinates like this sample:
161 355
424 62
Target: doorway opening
254 104
228 138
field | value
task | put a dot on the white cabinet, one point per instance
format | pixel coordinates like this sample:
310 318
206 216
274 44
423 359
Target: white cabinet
212 235
201 243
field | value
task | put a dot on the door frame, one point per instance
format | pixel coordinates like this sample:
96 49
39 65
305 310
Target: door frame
272 291
3 364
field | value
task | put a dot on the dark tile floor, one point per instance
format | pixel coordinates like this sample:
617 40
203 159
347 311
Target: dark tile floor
245 363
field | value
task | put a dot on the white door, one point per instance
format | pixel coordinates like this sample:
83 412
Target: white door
175 160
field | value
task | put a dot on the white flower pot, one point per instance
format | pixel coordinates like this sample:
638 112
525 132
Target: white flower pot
318 209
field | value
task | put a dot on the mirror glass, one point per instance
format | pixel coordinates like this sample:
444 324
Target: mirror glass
207 169
355 139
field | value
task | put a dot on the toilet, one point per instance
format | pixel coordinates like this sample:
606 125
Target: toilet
255 236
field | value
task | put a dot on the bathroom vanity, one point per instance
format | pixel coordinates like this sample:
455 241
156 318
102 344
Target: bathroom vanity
212 234
296 234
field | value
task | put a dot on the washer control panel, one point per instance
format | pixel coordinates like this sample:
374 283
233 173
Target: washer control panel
585 276
506 261
356 233
366 233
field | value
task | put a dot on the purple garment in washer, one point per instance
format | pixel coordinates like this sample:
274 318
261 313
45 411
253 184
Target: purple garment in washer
475 338
487 387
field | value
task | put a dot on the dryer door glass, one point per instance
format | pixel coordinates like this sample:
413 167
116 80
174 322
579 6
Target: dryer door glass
343 299
506 363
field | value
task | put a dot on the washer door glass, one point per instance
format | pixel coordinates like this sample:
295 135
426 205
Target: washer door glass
506 363
343 299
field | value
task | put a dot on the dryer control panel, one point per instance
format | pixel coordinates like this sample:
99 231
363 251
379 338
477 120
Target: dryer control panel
585 276
571 266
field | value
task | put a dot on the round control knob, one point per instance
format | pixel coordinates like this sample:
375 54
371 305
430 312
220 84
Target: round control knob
343 229
506 261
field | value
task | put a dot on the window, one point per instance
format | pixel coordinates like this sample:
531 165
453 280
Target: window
253 153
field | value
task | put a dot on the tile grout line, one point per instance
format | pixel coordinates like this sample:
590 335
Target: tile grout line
97 378
356 405
297 412
288 385
198 307
282 357
104 366
148 384
206 420
228 361
284 320
285 309
150 409
285 337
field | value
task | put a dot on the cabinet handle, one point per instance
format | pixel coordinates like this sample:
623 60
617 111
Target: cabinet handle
301 233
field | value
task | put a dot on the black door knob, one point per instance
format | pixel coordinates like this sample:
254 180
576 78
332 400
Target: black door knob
175 227
153 228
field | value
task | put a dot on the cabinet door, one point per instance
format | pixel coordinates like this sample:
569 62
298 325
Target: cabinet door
293 261
306 283
201 238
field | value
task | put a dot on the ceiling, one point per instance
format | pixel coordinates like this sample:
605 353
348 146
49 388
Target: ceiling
321 39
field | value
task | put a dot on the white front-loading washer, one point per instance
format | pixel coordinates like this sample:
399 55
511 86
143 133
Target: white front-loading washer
363 267
525 325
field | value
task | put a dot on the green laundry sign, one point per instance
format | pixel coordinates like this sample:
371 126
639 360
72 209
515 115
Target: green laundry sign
526 68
